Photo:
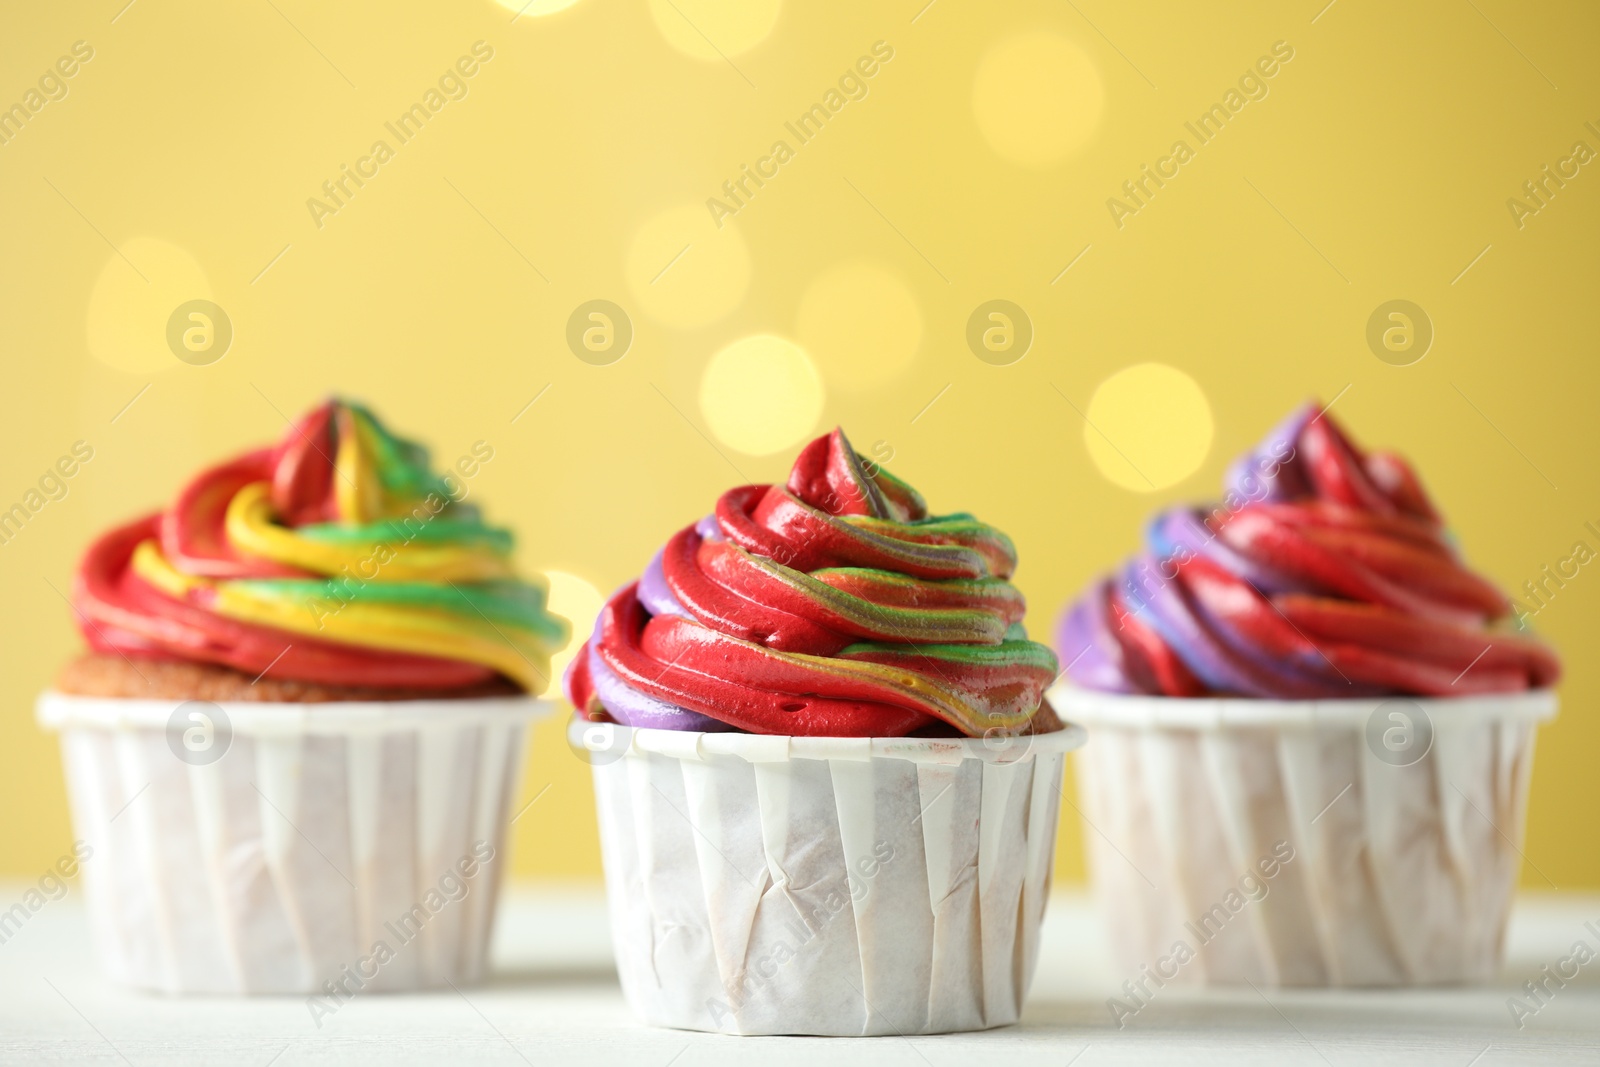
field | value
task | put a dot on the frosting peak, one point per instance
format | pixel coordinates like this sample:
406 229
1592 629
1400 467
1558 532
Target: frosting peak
829 475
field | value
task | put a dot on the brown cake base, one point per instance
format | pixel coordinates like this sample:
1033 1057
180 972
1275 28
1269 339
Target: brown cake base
96 675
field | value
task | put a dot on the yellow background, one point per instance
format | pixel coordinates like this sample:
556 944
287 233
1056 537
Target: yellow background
1377 168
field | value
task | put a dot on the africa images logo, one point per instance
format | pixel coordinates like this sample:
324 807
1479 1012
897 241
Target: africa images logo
453 84
1252 85
852 85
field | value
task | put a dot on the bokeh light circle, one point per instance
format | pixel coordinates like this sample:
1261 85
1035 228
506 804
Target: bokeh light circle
579 602
683 271
126 324
1037 98
1148 427
714 30
535 8
861 323
761 395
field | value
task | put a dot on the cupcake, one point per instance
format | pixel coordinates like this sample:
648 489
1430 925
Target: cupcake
295 736
827 777
1313 731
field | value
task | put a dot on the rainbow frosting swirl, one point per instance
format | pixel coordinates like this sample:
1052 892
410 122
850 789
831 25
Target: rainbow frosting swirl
831 605
1324 572
337 557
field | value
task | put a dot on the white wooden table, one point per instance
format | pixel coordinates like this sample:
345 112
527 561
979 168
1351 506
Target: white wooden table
554 1000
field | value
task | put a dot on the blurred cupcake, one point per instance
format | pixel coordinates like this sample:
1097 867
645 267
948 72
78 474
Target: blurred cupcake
299 727
1313 731
827 777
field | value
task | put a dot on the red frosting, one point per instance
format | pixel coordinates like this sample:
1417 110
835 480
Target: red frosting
752 635
1325 573
119 612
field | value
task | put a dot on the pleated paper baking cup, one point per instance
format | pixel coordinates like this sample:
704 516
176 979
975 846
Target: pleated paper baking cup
291 848
829 886
1306 843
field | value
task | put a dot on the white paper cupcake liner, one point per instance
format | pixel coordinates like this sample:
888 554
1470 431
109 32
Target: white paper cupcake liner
829 886
1403 864
321 831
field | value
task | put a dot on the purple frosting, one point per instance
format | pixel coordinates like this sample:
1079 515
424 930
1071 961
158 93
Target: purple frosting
1212 650
1272 470
654 594
623 702
631 707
